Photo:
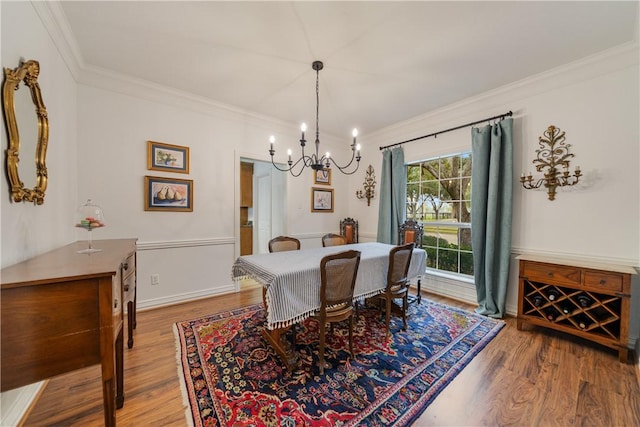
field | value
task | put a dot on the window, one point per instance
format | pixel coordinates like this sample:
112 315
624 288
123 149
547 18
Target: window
439 196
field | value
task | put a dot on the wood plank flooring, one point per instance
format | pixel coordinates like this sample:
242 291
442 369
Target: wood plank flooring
522 378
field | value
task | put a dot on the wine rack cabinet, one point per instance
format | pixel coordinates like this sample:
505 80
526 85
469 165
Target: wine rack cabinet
587 300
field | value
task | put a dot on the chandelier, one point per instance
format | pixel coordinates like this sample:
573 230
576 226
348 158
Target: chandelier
314 161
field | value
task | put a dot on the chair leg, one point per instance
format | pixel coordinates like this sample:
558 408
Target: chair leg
351 336
388 318
293 336
405 306
321 350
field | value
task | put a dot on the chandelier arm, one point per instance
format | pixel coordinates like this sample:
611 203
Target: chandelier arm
343 168
276 166
353 157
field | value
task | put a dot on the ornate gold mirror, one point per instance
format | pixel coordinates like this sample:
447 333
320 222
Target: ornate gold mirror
17 109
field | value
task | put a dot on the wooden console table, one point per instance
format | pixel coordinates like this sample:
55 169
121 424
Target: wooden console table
587 299
63 311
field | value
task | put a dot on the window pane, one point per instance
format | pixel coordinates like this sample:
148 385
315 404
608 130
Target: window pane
448 260
413 173
439 194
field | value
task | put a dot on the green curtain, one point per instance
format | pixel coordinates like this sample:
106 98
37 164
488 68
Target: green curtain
393 195
491 212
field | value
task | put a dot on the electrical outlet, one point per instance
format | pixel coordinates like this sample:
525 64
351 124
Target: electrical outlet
155 279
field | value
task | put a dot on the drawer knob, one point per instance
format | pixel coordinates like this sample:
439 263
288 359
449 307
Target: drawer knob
125 265
550 274
603 281
115 303
126 288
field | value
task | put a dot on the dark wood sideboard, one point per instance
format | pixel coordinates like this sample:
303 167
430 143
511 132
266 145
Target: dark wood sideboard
587 299
63 311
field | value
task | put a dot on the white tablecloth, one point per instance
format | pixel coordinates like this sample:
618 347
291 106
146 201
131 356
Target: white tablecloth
292 278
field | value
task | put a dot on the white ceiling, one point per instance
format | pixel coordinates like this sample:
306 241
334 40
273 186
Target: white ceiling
385 61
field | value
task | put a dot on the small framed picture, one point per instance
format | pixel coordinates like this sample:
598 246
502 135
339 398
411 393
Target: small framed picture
322 177
321 199
167 157
168 194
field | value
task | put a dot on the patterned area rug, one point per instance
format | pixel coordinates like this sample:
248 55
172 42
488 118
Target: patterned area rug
232 377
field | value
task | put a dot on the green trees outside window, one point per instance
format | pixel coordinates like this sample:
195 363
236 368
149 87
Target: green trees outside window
439 196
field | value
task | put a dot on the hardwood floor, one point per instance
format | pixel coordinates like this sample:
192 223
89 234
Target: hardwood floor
530 378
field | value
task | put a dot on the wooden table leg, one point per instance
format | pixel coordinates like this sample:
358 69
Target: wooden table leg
282 347
120 369
112 380
623 355
130 322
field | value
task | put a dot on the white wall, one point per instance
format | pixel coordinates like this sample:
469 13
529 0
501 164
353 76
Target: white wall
28 230
596 102
192 252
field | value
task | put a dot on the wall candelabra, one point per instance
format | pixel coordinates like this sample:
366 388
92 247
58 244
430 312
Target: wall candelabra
369 186
552 155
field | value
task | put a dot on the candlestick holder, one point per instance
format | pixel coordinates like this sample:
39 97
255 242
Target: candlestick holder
552 155
369 186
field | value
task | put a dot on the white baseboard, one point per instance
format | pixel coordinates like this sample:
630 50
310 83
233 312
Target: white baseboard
179 298
17 402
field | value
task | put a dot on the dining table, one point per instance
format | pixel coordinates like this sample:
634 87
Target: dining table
291 283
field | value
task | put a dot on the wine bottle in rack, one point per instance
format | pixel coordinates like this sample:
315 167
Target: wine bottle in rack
551 314
566 309
538 301
584 300
553 294
583 321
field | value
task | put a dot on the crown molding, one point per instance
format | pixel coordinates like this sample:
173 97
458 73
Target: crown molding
493 102
56 24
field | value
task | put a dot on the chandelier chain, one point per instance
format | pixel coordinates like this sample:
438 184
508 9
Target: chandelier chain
317 108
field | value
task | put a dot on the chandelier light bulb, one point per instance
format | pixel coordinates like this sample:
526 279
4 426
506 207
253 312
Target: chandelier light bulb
303 128
354 132
327 155
272 139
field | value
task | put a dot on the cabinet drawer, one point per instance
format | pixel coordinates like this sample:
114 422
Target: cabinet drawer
553 274
612 282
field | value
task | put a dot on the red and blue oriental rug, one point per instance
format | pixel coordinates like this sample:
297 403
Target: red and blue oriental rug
232 377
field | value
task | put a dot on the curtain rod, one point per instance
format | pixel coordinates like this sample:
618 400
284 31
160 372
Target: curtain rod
435 134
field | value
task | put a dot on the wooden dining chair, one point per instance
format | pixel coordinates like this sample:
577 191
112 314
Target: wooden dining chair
284 243
332 239
410 231
397 283
337 282
349 230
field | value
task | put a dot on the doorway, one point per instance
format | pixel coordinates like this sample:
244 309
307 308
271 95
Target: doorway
263 205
